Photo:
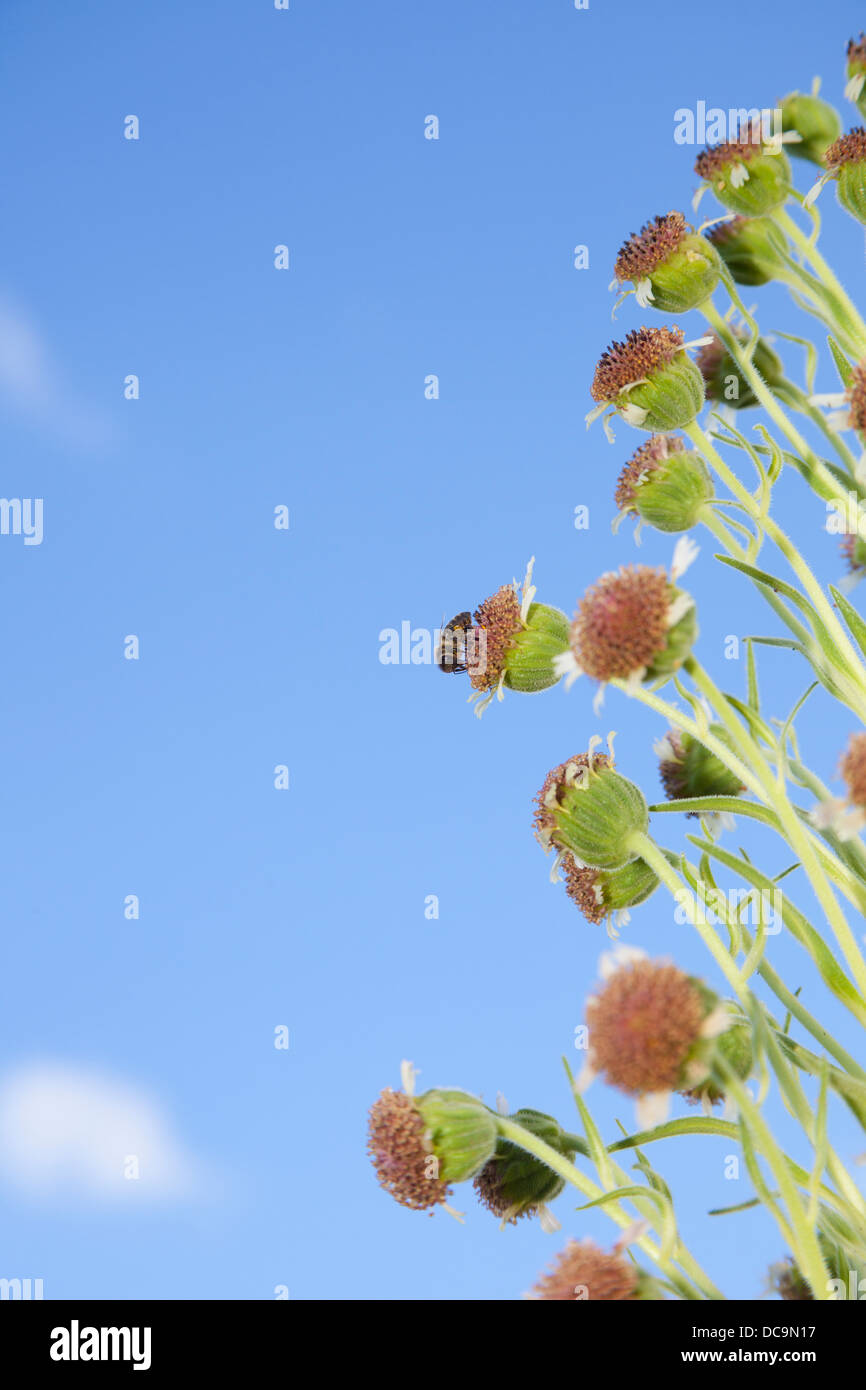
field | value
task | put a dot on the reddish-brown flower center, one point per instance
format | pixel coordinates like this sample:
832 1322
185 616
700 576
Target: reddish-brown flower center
647 459
853 769
584 1272
645 250
719 158
643 352
621 625
643 1025
404 1163
499 616
848 149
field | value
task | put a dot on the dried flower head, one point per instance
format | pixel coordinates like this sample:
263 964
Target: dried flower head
520 640
583 1271
643 352
645 250
643 1026
748 174
688 769
848 149
856 398
401 1152
621 625
514 1183
499 616
856 52
753 248
605 895
650 1030
788 1282
723 380
747 145
556 785
645 460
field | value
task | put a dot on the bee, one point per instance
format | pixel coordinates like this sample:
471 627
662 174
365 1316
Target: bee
451 656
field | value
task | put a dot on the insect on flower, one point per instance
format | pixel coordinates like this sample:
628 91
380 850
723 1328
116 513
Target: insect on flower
451 656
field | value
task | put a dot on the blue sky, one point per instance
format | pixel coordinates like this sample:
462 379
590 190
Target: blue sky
304 388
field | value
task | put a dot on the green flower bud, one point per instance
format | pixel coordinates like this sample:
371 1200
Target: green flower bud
650 380
723 379
855 72
816 121
529 660
846 162
461 1130
514 1183
752 248
664 484
590 810
670 266
734 1045
689 769
603 893
750 175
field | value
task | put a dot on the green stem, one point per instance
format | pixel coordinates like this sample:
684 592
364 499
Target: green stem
810 252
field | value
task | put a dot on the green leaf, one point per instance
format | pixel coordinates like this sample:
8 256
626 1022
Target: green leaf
856 625
843 366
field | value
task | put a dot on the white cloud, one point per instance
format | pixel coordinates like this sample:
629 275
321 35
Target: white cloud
32 387
67 1131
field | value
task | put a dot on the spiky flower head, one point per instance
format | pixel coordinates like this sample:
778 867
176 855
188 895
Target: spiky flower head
589 810
815 121
420 1145
514 1183
670 266
855 72
855 397
650 380
688 769
749 174
520 639
723 380
845 161
602 894
651 1030
664 484
634 623
752 248
734 1046
583 1271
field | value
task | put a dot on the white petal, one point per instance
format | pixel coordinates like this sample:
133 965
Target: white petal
664 749
653 1109
854 86
565 664
633 414
618 958
643 291
547 1221
598 700
408 1073
739 175
716 1023
528 591
586 1077
501 1104
685 554
679 608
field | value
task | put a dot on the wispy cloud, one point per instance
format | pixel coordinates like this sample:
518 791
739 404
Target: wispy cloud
65 1131
32 385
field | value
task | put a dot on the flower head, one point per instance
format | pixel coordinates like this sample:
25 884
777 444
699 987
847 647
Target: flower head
748 174
671 267
815 121
634 623
649 379
664 484
520 640
723 380
604 893
650 1028
583 1271
753 248
587 809
688 769
514 1183
419 1145
845 161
